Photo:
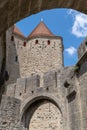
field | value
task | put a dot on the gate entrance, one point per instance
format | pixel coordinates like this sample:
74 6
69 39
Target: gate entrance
46 117
43 114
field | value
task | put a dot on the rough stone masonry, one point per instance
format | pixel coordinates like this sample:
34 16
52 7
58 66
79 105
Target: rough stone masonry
39 92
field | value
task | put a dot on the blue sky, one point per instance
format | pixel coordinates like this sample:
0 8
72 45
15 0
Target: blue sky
69 24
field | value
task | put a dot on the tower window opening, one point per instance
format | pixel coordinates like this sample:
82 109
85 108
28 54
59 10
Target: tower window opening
16 58
24 44
47 88
20 94
12 38
36 42
86 43
32 92
48 42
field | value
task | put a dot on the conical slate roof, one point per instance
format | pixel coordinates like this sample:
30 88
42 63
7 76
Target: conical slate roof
41 30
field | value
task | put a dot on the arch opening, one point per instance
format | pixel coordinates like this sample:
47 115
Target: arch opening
40 111
13 13
68 20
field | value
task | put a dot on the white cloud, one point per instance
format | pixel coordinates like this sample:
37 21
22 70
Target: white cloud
71 50
71 12
79 28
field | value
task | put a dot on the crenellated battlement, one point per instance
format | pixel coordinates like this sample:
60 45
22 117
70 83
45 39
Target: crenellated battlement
39 88
31 85
36 54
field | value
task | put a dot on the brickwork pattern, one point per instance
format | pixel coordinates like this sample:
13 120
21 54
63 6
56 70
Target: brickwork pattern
39 58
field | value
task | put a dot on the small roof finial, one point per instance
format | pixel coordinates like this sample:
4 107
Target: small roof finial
41 19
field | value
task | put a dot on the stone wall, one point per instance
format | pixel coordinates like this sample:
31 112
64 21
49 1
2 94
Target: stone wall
12 63
29 88
35 56
9 113
82 84
67 86
39 57
82 48
76 97
45 55
48 117
83 100
64 85
25 87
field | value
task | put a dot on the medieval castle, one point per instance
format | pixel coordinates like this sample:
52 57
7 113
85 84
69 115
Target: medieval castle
40 93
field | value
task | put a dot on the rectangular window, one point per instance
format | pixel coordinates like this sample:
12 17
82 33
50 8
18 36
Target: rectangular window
12 38
24 44
16 58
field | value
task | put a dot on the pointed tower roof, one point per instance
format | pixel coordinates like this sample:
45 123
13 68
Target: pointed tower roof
17 31
41 30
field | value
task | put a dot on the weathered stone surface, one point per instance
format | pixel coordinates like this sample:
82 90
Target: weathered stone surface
32 58
9 113
51 117
27 94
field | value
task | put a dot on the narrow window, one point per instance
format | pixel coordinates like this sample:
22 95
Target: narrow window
16 58
32 92
12 38
86 43
20 94
47 88
24 44
36 42
48 42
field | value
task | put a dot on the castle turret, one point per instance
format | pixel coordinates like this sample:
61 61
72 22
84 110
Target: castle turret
40 52
45 50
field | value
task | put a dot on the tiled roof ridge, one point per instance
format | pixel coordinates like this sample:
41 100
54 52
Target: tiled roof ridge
18 32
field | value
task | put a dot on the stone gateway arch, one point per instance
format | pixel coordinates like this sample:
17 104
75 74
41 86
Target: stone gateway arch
43 109
13 11
34 84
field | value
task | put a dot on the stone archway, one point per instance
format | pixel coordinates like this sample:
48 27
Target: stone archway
46 117
34 105
13 11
